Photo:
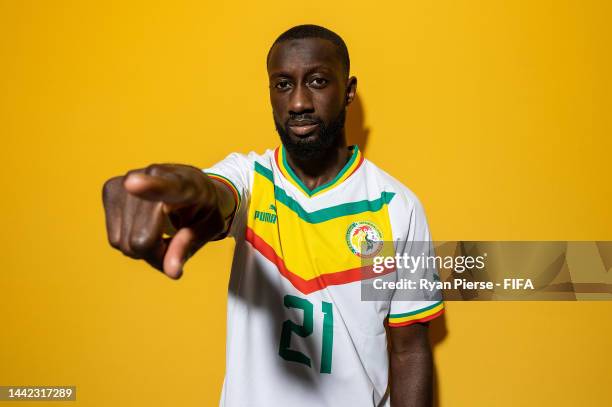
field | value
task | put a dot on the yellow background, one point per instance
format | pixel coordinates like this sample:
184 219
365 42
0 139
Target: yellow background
496 113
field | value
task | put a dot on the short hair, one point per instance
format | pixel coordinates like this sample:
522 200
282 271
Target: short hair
315 31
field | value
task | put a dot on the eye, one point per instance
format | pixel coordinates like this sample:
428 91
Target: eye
282 85
318 82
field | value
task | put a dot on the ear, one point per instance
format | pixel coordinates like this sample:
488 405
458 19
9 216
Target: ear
351 89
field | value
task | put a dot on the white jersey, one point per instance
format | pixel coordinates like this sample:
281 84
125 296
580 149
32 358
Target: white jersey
298 332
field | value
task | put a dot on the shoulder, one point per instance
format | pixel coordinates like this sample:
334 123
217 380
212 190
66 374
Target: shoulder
403 196
243 161
406 213
249 158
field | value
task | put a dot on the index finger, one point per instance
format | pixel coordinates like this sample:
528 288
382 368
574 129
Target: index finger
167 188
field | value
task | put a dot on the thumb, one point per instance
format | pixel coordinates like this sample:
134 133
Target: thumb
189 240
178 252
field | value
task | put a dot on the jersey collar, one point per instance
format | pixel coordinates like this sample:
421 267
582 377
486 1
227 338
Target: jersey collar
349 168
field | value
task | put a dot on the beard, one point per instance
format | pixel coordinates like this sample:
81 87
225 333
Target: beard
310 147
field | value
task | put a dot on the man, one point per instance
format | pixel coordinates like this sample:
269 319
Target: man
298 332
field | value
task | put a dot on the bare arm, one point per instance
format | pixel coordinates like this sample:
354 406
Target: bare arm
144 204
411 361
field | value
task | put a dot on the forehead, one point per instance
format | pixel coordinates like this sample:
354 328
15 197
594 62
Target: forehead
302 54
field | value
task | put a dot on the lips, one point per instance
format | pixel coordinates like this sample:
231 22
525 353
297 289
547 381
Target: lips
303 128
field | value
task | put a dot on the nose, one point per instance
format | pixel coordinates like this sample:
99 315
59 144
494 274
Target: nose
301 100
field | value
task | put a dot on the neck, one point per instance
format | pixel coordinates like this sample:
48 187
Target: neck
318 171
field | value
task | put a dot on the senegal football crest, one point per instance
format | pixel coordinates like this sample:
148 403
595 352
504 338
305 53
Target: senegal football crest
364 239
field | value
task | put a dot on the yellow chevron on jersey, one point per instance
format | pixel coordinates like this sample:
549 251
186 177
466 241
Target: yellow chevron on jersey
316 249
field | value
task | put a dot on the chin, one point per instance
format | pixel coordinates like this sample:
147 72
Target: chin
311 146
312 138
308 148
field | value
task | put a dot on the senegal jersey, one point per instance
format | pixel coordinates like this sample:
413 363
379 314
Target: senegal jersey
298 332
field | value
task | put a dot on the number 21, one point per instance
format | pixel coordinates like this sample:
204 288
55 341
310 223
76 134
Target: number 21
305 330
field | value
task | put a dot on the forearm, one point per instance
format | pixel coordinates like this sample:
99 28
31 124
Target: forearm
412 377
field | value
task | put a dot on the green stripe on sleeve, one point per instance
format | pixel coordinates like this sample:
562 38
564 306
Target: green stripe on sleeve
407 314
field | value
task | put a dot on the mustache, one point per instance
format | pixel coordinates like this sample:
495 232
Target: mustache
302 119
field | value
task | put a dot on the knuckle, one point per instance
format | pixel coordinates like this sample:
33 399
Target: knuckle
127 251
110 187
155 169
114 241
142 243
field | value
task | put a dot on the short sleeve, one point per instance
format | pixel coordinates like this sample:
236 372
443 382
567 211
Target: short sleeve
235 172
421 303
